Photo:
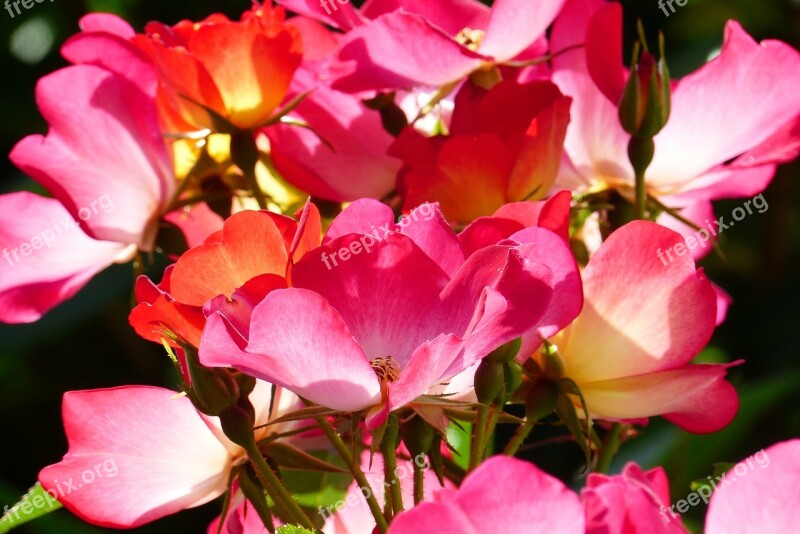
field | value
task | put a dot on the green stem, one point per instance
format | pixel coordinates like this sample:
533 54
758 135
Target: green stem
361 479
419 483
641 196
254 492
523 431
491 424
258 194
245 154
198 199
610 448
476 452
276 489
640 152
389 451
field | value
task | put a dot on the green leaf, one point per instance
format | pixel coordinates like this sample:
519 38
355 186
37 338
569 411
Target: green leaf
301 414
34 504
569 416
470 416
291 457
719 470
460 437
291 529
315 489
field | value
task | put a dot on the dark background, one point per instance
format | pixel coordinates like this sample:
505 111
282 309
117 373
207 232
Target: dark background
87 343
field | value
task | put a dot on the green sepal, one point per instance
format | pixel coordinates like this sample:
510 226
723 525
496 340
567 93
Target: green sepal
33 505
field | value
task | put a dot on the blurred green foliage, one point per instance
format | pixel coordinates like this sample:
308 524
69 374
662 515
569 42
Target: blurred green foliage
87 343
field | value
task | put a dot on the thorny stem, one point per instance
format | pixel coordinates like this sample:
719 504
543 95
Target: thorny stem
476 454
361 479
610 447
523 431
275 487
419 483
389 450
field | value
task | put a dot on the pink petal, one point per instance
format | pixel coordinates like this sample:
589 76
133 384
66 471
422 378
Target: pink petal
782 147
515 25
756 499
114 53
100 126
107 23
238 309
196 222
46 257
552 214
425 368
696 397
356 167
502 495
299 341
387 293
364 216
432 518
729 181
486 231
641 313
353 515
318 42
545 247
709 124
136 454
633 501
339 15
223 344
425 225
241 519
450 15
499 294
724 301
570 28
697 209
596 144
604 51
402 49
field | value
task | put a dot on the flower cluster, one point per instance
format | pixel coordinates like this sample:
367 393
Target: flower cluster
396 223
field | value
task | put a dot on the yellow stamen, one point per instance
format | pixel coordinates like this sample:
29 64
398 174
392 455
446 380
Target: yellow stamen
387 369
470 38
